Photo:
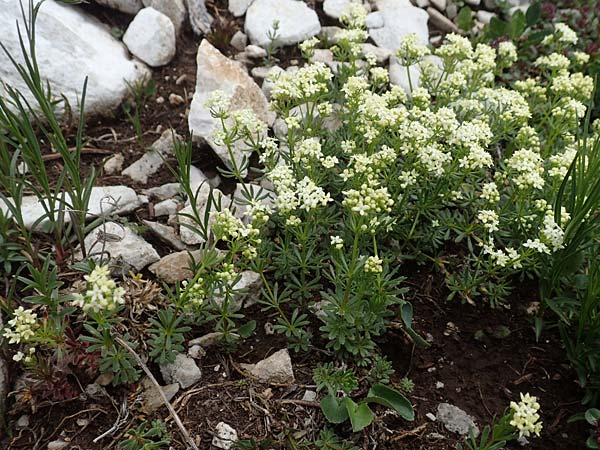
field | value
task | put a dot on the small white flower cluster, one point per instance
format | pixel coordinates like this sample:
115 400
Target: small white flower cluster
102 292
411 50
218 103
551 232
292 195
525 416
306 83
21 328
563 34
489 219
196 294
368 200
373 264
337 242
528 166
503 257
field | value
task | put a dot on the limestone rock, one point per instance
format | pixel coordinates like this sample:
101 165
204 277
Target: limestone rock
335 8
175 267
455 419
114 164
441 21
152 400
217 72
238 7
200 19
151 162
121 243
297 22
183 371
173 9
165 233
126 6
225 436
67 38
277 368
399 20
151 37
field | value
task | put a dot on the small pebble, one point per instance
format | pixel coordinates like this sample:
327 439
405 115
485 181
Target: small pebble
439 385
176 100
431 417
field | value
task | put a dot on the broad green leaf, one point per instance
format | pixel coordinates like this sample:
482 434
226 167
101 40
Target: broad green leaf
497 28
465 18
360 414
592 415
333 409
391 398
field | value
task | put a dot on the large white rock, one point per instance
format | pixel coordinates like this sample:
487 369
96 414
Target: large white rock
151 37
173 9
70 45
400 18
121 243
217 72
104 200
297 22
126 6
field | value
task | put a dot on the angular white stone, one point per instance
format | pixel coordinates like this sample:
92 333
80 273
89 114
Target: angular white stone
225 436
104 200
239 7
70 45
399 20
153 159
183 371
121 243
200 19
151 37
126 6
375 20
217 72
277 368
173 9
297 22
175 267
335 8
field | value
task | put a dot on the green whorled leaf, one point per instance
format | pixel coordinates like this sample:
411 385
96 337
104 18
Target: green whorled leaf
246 330
360 414
406 314
333 409
533 14
465 18
391 398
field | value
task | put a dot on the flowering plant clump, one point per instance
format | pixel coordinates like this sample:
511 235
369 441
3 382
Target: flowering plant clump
522 419
364 174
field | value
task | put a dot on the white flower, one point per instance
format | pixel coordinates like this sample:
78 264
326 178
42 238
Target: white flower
525 416
21 328
218 102
102 292
508 52
337 242
489 219
195 292
374 264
